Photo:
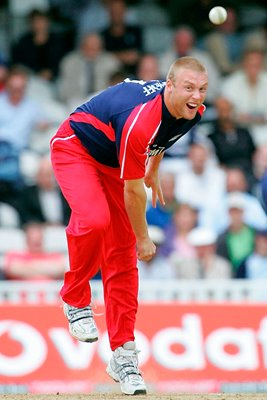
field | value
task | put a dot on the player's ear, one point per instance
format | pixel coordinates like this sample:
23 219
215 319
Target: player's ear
169 86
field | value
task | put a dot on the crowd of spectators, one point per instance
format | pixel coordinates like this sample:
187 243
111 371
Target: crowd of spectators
213 225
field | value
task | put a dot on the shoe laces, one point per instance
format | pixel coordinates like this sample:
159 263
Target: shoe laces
127 365
75 314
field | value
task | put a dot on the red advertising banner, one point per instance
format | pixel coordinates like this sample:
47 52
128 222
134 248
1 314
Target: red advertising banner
184 347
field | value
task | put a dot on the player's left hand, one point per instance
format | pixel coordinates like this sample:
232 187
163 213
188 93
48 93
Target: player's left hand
153 182
146 249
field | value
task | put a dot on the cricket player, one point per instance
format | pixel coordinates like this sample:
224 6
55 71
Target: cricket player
103 155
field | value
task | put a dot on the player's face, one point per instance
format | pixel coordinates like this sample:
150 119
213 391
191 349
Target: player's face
186 93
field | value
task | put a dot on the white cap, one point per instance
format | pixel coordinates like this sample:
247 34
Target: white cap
201 236
156 234
236 200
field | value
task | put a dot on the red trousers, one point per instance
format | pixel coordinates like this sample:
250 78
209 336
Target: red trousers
99 234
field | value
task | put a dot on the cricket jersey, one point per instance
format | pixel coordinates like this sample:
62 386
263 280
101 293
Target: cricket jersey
127 123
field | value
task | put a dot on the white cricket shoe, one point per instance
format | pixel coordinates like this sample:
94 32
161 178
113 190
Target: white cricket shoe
123 368
81 323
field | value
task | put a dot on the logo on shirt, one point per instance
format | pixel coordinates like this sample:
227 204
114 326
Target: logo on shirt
150 88
175 137
155 152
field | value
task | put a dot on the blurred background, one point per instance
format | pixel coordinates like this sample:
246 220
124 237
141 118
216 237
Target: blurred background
202 319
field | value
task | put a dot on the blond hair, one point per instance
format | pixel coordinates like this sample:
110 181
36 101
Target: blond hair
185 63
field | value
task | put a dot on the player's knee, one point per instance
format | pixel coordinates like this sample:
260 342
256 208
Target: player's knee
96 223
86 222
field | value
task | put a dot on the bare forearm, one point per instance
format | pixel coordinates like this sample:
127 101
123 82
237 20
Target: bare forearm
153 164
152 179
135 204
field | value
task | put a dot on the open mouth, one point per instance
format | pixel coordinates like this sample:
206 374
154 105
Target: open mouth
191 106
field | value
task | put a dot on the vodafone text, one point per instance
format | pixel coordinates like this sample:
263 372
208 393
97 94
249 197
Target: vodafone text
197 351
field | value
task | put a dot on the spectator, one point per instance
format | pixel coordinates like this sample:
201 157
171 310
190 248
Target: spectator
44 93
185 218
201 177
184 45
34 263
40 49
3 73
257 38
117 77
259 169
162 216
86 70
237 241
217 215
260 161
246 89
19 114
43 202
158 267
253 213
122 39
207 264
148 68
263 191
10 174
93 17
234 146
9 217
255 265
226 43
176 158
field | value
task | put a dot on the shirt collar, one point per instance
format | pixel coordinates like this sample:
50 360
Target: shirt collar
165 112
